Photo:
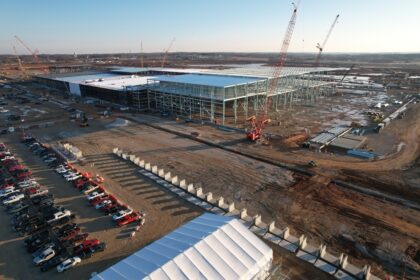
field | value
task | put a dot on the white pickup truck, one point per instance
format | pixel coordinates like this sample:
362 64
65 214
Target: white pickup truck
58 215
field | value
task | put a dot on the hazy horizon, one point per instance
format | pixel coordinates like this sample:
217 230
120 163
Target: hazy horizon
242 26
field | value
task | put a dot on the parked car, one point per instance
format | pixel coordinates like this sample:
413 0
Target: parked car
19 208
36 236
96 194
111 209
44 256
76 240
103 203
14 199
42 249
58 215
128 219
65 228
98 200
69 234
38 243
73 177
67 264
88 188
8 191
122 213
52 263
86 245
38 192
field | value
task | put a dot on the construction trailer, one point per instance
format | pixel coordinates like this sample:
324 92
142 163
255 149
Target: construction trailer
227 96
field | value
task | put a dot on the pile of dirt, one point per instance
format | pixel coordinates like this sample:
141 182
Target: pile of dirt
294 140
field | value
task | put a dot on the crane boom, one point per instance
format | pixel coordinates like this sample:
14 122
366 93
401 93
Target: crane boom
257 125
346 73
19 61
321 47
165 55
33 53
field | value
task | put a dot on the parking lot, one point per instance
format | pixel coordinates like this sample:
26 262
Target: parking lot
164 213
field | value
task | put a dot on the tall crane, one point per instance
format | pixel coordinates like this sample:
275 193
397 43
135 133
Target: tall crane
19 61
321 47
141 55
33 53
165 55
258 123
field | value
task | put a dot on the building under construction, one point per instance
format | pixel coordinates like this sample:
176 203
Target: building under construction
226 96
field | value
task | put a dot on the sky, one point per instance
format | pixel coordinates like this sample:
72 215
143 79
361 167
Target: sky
112 26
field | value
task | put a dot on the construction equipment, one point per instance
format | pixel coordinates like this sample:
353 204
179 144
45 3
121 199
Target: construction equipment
321 47
312 163
19 61
258 122
345 74
165 54
33 53
84 122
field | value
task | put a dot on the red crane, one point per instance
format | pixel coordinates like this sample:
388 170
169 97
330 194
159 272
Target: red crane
19 61
165 55
33 53
258 123
321 47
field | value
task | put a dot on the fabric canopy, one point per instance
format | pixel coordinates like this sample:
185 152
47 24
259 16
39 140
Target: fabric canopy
208 247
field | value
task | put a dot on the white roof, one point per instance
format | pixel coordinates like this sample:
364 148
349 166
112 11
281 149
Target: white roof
208 247
122 82
247 71
207 80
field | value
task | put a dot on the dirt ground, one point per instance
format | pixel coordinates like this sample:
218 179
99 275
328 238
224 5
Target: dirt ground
164 214
346 221
370 230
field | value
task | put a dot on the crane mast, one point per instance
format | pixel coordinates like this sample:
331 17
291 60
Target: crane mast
257 124
321 47
141 55
33 53
165 55
19 61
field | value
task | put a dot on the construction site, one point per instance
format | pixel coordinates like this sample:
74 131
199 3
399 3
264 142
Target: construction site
317 159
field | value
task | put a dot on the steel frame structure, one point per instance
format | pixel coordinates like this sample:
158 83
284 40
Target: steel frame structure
234 104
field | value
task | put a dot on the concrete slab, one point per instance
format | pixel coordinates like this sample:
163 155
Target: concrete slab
288 246
324 266
217 211
303 255
206 206
258 231
247 223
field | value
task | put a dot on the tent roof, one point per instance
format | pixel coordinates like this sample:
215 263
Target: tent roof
208 247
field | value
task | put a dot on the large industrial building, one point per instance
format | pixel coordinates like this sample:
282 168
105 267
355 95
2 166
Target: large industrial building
223 96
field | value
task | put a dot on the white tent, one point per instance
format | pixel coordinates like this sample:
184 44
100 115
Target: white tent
208 247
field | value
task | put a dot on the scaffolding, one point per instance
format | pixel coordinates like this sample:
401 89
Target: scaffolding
233 104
